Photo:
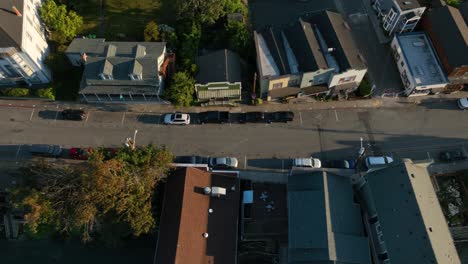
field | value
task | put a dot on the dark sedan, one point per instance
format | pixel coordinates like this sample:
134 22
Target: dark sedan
218 117
252 117
73 114
282 116
44 150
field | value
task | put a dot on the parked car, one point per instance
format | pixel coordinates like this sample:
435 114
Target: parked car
44 150
80 153
223 162
252 117
307 162
215 117
177 119
449 156
463 103
340 164
281 116
73 114
190 160
378 161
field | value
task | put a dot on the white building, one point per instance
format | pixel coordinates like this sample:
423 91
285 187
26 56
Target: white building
419 67
23 45
398 16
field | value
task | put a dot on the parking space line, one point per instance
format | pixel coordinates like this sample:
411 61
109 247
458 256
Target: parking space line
245 162
87 116
336 116
300 117
56 115
123 118
32 113
18 151
429 155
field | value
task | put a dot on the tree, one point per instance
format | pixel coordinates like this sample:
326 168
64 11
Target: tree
151 32
112 192
181 89
205 11
63 25
188 46
15 92
239 36
46 93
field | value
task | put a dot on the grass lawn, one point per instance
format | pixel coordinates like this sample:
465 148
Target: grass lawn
123 19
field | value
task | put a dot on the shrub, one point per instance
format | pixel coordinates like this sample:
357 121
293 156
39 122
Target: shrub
46 93
15 92
365 88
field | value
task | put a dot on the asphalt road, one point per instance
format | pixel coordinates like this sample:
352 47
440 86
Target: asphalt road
416 132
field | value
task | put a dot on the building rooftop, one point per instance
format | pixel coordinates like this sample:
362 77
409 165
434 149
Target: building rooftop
186 218
451 32
464 10
325 225
408 4
421 59
410 216
11 25
219 66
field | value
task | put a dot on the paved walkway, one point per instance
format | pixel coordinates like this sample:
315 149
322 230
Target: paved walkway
377 102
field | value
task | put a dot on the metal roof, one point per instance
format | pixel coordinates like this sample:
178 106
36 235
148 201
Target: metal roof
410 216
325 226
219 66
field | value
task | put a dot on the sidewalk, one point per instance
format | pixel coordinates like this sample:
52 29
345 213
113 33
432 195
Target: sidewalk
377 102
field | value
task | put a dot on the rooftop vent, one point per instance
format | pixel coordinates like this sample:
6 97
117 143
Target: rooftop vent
210 211
218 191
205 235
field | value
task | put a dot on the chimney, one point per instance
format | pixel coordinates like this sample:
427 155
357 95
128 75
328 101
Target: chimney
17 12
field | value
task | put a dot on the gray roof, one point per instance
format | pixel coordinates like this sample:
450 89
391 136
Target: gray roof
219 66
11 25
119 60
451 31
410 216
325 226
464 10
337 35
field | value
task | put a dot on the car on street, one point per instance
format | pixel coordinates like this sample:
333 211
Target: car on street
177 119
80 153
449 156
340 164
463 103
45 150
217 117
378 161
190 160
307 162
252 117
223 163
281 116
73 114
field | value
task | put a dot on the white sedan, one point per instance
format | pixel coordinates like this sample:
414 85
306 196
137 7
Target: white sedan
307 162
177 119
463 103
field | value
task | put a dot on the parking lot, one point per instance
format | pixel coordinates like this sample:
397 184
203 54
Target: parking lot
415 132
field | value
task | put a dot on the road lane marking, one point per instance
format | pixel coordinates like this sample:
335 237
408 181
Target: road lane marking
300 117
336 116
123 118
32 113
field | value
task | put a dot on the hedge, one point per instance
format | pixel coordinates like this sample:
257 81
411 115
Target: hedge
15 92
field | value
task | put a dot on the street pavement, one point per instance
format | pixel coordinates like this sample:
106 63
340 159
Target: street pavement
404 130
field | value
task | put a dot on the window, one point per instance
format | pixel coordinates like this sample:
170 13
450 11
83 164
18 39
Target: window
402 63
105 76
293 82
135 76
347 79
277 85
30 21
28 36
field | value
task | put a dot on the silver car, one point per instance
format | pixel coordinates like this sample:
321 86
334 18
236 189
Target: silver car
177 119
223 162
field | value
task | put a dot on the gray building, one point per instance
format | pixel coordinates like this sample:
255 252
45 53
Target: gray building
325 225
219 76
399 16
403 216
119 71
317 51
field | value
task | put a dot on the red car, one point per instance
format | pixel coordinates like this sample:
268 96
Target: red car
80 153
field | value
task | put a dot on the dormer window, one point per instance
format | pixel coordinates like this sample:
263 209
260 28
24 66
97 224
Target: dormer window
106 76
135 77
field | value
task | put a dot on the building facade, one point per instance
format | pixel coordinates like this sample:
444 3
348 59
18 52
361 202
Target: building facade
398 16
23 45
120 72
419 67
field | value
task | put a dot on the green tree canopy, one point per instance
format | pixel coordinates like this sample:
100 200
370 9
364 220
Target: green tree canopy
113 192
151 32
181 89
63 24
205 12
239 36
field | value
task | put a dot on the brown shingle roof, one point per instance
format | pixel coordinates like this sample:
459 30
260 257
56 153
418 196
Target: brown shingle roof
185 218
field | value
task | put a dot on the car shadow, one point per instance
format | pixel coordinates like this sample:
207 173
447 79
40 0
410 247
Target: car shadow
49 114
150 119
270 163
433 103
